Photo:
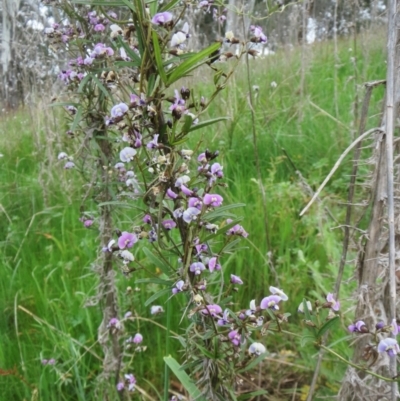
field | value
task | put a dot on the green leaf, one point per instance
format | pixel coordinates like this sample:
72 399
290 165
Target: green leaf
220 211
204 351
188 121
195 127
253 394
158 57
129 5
153 281
253 363
185 380
327 326
157 295
163 266
170 5
191 63
77 118
307 338
83 83
102 87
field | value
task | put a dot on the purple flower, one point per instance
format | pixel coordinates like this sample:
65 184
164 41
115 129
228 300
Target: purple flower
212 200
147 219
202 158
390 346
178 287
190 214
333 304
197 268
358 327
270 302
99 28
236 230
162 18
236 279
234 337
216 169
258 34
380 325
131 380
186 190
126 240
195 202
88 223
171 194
120 386
394 328
169 224
212 310
114 322
119 110
213 264
138 338
101 50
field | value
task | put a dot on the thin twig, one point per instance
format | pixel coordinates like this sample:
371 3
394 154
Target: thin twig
336 166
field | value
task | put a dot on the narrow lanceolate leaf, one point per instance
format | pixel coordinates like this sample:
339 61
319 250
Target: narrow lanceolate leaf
253 394
77 119
328 325
207 123
253 363
187 383
156 262
192 63
157 295
102 87
169 5
220 211
158 57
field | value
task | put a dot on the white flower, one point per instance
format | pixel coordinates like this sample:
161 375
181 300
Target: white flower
62 156
110 244
300 309
178 39
277 291
257 348
127 256
127 154
156 309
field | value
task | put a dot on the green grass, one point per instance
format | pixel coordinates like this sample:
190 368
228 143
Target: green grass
46 255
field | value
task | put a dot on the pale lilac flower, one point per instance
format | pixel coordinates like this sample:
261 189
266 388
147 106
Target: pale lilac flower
131 380
234 337
62 156
225 318
44 361
390 346
334 305
128 315
277 291
162 18
212 310
178 39
258 34
236 279
177 213
126 240
171 194
216 169
120 386
178 287
153 144
358 327
213 264
257 349
119 166
138 338
270 302
119 110
202 158
190 214
394 328
127 256
184 179
101 50
214 200
197 268
88 60
169 224
127 154
156 309
69 165
87 223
